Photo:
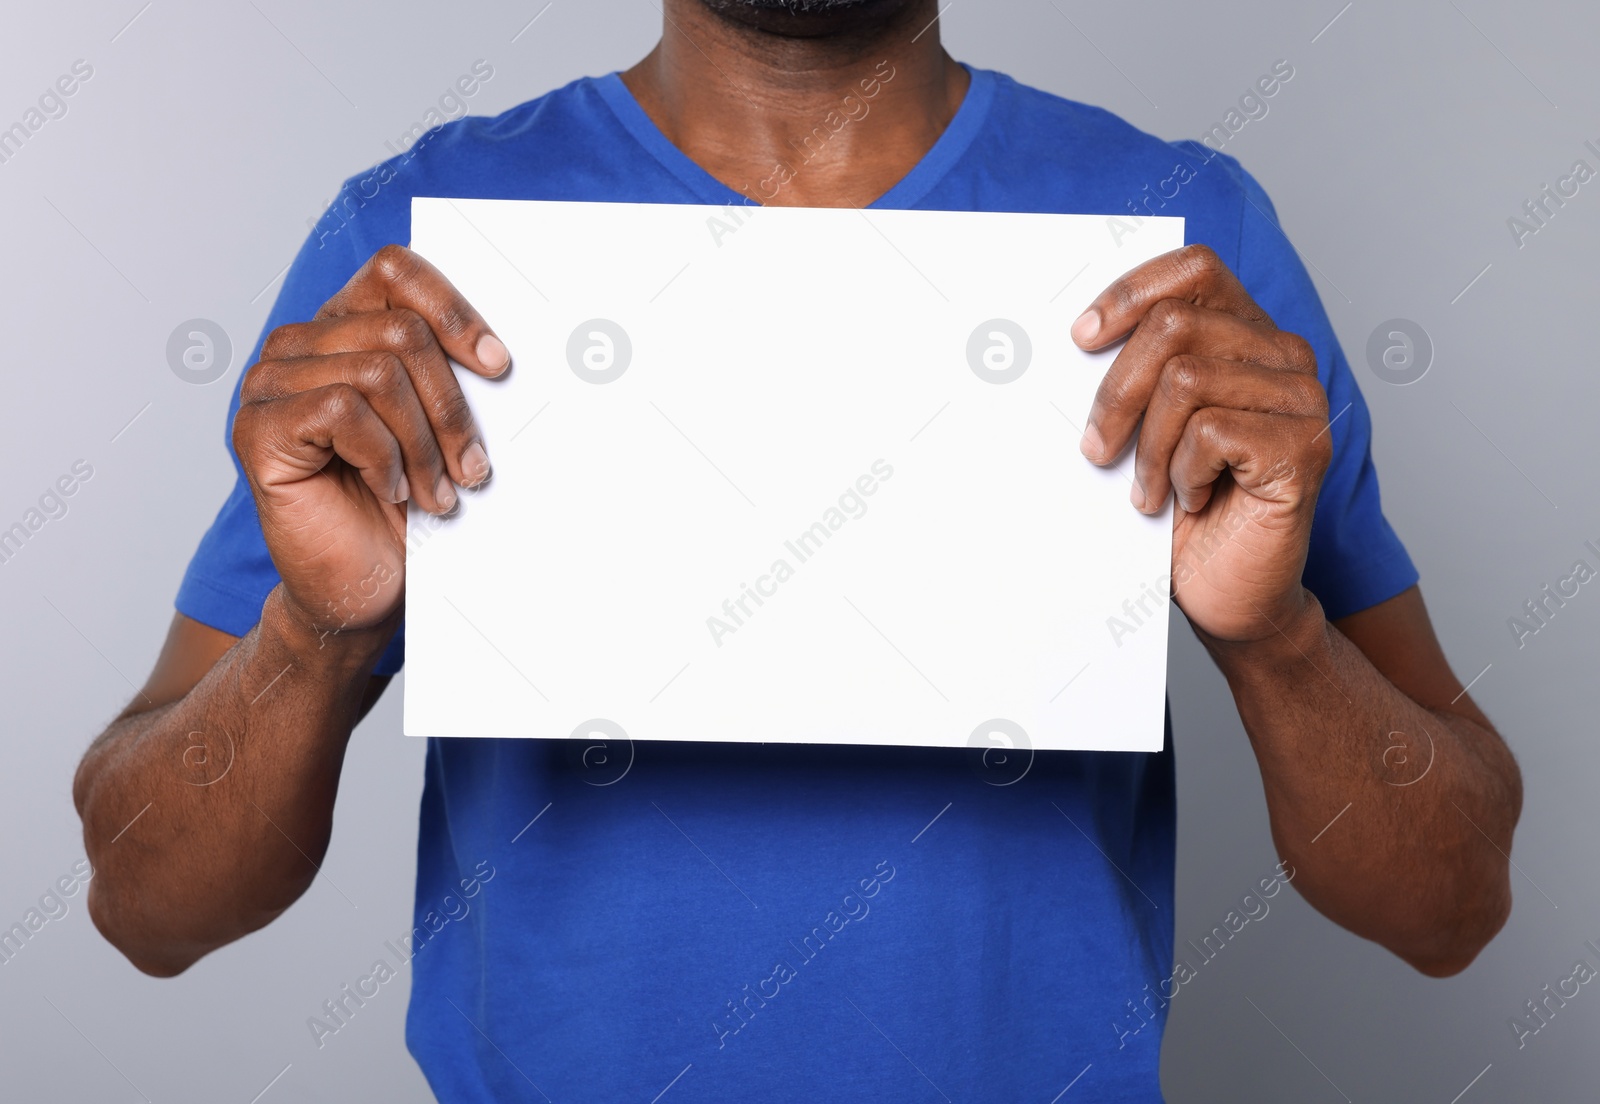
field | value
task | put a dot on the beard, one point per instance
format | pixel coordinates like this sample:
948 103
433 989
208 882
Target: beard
787 7
810 18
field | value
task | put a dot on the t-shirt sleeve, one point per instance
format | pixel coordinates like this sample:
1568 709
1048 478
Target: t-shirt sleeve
1355 560
231 574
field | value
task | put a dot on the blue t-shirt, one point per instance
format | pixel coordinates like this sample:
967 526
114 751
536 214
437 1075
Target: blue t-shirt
805 922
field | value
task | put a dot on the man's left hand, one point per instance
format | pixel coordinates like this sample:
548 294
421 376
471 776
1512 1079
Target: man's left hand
1235 426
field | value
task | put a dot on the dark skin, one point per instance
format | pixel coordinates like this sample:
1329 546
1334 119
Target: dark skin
348 415
737 103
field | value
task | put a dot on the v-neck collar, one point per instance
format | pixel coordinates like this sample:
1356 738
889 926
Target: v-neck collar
935 164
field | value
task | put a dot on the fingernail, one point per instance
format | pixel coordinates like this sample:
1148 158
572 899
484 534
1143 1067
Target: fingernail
446 494
1092 445
1137 497
492 353
402 489
1086 327
475 464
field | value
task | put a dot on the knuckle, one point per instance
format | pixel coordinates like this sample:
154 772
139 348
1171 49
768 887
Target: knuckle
406 331
1169 317
255 437
1321 448
243 433
451 415
1184 379
256 383
1315 397
394 263
379 373
278 342
1115 395
1208 425
1204 260
1127 295
340 402
1302 357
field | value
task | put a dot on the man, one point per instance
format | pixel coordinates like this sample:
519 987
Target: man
803 922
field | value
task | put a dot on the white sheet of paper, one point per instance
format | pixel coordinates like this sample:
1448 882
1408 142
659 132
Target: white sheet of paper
787 475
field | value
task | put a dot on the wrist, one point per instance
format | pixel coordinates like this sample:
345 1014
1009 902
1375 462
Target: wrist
1298 633
349 650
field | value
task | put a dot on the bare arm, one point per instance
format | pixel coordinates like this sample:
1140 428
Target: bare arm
1390 793
208 804
1233 424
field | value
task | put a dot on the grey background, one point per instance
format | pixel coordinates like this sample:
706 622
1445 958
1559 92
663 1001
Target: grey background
181 181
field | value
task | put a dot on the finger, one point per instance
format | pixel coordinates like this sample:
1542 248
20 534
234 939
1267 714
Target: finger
1193 274
382 378
1271 456
396 277
1173 328
407 335
1191 383
286 440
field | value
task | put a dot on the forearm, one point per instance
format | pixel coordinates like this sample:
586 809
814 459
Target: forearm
205 818
1409 848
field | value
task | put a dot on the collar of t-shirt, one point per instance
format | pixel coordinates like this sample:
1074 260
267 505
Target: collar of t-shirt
936 163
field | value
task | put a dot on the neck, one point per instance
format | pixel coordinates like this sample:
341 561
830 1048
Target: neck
817 110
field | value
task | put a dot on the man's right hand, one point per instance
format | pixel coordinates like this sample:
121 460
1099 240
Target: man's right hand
348 416
345 418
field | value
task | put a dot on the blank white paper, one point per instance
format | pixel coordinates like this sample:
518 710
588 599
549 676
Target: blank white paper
788 475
